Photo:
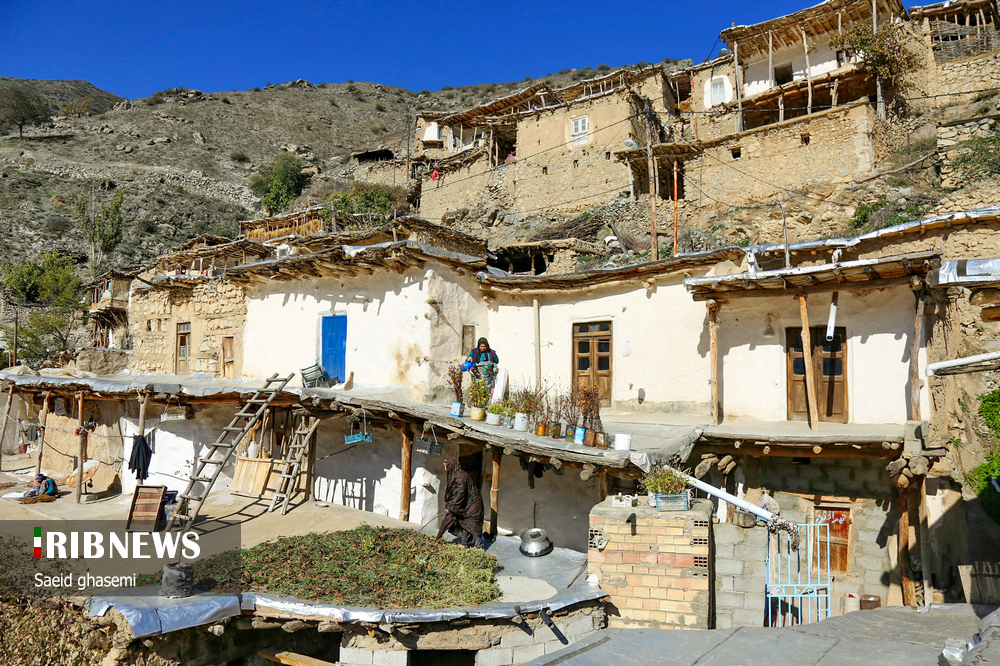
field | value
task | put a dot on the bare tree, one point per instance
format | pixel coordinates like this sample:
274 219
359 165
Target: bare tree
21 107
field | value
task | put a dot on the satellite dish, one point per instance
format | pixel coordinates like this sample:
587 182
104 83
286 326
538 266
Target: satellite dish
629 143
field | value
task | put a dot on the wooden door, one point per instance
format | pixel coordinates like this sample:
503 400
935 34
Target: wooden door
839 541
334 346
829 371
228 357
592 344
183 364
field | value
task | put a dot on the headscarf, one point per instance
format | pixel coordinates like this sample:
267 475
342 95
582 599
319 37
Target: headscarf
451 465
483 341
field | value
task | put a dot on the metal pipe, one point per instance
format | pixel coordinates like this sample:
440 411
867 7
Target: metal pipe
723 495
538 342
831 323
932 368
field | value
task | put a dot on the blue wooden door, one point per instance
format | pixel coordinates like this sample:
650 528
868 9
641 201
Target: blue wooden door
334 342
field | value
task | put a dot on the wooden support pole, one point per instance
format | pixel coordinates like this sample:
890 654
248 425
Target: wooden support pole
713 330
602 485
770 59
81 449
925 544
652 187
834 92
809 81
495 490
41 433
915 344
781 108
6 417
406 440
903 544
694 111
807 359
739 87
676 176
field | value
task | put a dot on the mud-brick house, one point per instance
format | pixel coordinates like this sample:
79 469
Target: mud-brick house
184 317
540 148
108 309
962 42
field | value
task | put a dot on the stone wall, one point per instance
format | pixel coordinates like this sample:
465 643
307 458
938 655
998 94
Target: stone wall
831 147
961 76
860 485
386 172
949 140
215 308
658 571
475 185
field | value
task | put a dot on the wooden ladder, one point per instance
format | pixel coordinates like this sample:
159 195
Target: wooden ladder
290 468
208 467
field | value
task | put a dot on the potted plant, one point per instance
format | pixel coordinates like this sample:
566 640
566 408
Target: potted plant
668 487
571 412
453 379
493 413
590 405
555 428
479 395
508 415
580 398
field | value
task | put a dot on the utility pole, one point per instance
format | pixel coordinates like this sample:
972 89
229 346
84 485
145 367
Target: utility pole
652 183
15 335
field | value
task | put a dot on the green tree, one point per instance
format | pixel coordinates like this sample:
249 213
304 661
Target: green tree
102 228
883 51
20 106
53 286
278 184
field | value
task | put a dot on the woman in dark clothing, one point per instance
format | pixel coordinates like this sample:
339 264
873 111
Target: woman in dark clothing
483 362
463 505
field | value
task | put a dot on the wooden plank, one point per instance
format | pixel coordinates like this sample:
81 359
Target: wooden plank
147 505
406 444
713 327
81 451
915 344
807 357
41 433
293 659
497 455
903 546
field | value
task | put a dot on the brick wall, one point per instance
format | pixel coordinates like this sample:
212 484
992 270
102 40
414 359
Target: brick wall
660 576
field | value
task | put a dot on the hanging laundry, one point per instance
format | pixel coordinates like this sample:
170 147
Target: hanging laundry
434 174
141 455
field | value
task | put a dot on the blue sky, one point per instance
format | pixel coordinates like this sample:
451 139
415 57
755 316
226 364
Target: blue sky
137 47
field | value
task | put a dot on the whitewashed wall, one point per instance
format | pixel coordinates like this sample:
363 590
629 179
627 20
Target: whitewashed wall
822 60
879 327
176 444
659 338
401 329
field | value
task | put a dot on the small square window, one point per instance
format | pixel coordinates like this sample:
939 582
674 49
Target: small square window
580 128
805 139
736 153
545 171
576 163
607 155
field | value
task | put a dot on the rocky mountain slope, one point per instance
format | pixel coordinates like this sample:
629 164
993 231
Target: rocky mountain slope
185 157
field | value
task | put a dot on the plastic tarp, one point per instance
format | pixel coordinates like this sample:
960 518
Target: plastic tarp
149 614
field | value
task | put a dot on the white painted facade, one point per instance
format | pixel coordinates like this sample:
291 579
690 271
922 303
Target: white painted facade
401 329
822 60
879 329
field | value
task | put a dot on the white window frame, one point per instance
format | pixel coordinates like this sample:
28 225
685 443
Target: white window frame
580 130
718 90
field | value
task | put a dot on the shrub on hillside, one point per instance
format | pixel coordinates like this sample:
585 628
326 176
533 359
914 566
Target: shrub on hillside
277 184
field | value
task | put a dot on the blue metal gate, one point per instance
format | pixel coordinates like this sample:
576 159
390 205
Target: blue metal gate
797 589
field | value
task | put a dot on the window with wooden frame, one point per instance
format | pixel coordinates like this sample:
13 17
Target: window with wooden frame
592 356
829 370
580 126
183 362
838 543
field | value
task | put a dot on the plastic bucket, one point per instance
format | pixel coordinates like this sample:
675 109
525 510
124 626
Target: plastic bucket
521 422
623 442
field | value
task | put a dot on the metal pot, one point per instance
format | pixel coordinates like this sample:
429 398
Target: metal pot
535 543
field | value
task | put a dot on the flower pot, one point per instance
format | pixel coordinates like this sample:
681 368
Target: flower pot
601 440
508 421
678 502
521 422
555 430
477 414
580 433
541 429
570 433
457 409
589 438
492 419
